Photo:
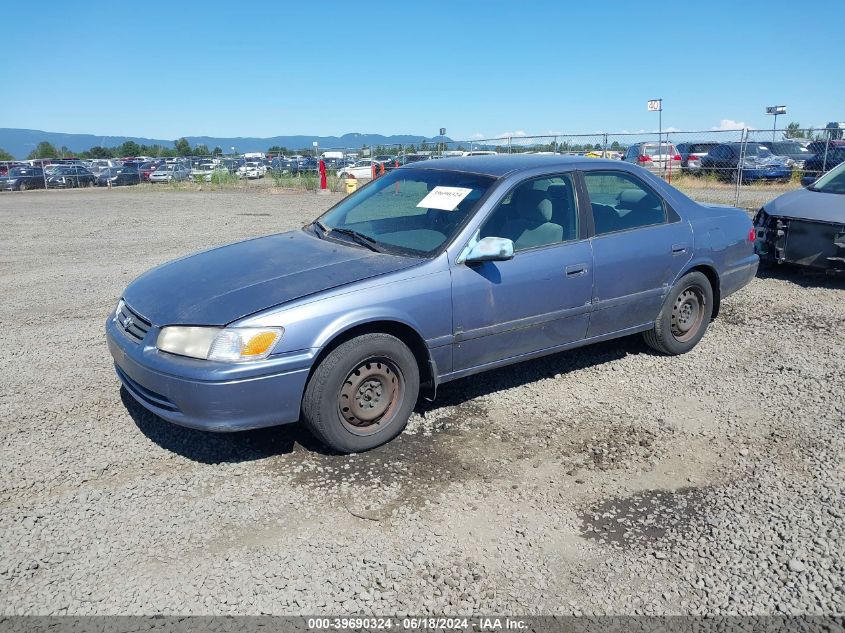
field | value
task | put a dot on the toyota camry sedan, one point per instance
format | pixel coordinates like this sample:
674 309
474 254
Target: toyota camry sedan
436 271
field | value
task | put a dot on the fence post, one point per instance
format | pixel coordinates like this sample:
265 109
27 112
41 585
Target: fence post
742 143
824 160
604 147
509 145
43 173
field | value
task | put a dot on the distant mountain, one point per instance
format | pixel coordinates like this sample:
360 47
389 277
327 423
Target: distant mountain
20 143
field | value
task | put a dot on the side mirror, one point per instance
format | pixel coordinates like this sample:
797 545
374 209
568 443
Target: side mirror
806 181
490 249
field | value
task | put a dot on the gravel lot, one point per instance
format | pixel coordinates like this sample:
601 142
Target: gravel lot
604 480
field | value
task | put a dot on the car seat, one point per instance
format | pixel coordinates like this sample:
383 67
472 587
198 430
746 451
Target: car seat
533 226
563 209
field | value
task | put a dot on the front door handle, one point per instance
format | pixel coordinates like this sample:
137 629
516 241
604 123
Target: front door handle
679 249
576 270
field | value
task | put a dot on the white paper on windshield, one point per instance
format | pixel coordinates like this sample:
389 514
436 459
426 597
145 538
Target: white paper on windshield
444 198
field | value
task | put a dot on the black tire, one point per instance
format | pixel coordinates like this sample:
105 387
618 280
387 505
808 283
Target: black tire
377 375
22 186
684 317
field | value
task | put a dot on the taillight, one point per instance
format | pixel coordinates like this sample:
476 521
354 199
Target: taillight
752 234
677 157
644 159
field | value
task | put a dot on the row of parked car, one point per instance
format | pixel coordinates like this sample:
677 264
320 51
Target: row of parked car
72 173
754 160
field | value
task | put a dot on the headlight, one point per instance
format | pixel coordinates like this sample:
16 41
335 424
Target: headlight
221 344
117 310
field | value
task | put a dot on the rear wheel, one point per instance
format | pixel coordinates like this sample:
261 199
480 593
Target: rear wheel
22 186
362 393
685 315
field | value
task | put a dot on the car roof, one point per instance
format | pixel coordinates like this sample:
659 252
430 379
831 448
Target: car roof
504 164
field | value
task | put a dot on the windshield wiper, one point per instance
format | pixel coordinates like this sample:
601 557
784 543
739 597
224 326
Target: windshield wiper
359 238
322 229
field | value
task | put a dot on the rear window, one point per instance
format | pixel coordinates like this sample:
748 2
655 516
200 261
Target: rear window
701 148
654 150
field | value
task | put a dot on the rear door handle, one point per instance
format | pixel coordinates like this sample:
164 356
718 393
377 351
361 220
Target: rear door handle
679 249
576 270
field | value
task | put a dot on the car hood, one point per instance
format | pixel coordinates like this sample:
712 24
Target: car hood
221 285
804 204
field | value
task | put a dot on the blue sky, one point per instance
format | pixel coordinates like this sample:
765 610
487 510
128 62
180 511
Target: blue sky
165 70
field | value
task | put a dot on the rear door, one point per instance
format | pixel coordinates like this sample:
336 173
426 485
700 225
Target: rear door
640 244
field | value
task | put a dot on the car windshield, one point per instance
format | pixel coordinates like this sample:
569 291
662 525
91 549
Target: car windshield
832 182
752 149
408 211
788 148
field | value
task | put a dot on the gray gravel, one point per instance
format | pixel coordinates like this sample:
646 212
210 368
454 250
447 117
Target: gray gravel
604 480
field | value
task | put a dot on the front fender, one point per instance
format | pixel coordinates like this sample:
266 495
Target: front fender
419 299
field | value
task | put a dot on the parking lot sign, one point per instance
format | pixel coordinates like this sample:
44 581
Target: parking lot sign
655 105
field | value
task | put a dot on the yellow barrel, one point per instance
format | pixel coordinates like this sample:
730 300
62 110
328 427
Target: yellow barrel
351 185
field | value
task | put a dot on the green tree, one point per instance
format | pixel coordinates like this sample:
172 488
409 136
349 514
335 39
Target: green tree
129 148
43 150
793 130
4 155
100 152
201 150
182 147
217 151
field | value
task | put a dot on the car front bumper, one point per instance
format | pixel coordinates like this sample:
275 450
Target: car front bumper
819 245
220 397
766 174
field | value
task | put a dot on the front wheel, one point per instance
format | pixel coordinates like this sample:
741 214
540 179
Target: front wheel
362 394
685 315
22 186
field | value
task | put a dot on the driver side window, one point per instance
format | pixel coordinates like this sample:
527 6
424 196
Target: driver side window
536 213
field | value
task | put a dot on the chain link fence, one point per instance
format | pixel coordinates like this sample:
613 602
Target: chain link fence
740 167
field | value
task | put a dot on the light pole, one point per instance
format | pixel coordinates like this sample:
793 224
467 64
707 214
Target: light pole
656 105
775 111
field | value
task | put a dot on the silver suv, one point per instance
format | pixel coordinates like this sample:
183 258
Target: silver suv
659 159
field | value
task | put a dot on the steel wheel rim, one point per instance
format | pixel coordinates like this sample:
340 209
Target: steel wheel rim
370 395
687 314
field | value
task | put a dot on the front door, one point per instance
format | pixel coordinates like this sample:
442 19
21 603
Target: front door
538 300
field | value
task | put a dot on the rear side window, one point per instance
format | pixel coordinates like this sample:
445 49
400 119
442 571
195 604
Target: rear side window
621 202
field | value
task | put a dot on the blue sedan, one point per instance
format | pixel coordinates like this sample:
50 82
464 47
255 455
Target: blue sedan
436 271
